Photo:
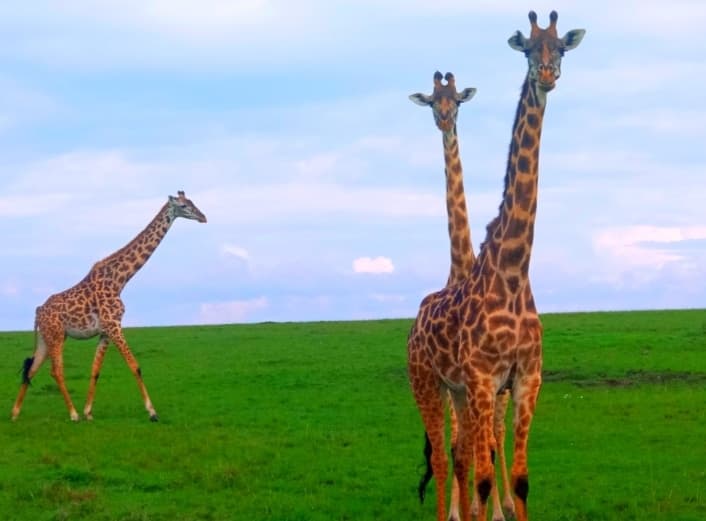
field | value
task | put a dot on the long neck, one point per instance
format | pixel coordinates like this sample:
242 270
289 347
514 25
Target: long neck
462 257
508 243
124 263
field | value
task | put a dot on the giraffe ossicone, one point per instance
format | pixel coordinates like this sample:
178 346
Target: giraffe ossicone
93 308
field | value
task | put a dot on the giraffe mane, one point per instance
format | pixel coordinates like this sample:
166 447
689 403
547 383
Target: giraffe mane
495 223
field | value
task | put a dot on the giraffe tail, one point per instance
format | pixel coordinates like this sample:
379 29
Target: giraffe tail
428 473
25 370
27 365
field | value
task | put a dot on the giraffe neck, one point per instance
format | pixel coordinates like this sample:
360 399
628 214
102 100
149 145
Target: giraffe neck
124 263
462 257
508 243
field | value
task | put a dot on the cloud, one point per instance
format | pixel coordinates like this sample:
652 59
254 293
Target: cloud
236 251
231 311
32 205
639 253
161 32
375 266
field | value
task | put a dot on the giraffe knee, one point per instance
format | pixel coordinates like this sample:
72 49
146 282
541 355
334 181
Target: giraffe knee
522 488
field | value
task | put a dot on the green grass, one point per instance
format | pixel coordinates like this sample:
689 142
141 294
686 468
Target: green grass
316 421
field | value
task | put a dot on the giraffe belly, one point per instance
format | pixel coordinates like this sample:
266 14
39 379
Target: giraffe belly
87 328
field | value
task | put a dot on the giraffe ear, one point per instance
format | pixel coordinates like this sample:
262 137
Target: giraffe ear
421 99
465 94
518 41
572 39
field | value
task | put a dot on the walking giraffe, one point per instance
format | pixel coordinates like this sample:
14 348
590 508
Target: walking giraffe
490 319
93 307
445 101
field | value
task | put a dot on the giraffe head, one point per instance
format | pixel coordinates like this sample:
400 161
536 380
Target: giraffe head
444 100
180 206
544 50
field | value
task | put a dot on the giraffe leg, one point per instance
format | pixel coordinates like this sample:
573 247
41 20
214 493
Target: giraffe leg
31 366
57 371
482 399
463 453
430 402
95 373
507 506
525 394
433 418
454 514
116 335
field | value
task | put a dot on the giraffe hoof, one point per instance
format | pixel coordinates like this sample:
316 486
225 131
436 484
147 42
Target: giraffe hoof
89 417
154 418
75 418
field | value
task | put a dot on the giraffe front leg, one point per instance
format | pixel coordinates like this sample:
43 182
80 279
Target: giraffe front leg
463 454
454 513
116 335
525 397
507 506
482 405
95 373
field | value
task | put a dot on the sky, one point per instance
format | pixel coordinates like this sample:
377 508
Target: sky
289 125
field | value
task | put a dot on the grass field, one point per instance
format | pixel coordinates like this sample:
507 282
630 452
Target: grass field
315 421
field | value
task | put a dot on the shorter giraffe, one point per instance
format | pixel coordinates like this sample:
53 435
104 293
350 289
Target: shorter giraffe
93 307
444 102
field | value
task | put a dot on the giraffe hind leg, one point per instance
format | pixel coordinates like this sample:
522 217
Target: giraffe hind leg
95 373
431 406
29 368
57 371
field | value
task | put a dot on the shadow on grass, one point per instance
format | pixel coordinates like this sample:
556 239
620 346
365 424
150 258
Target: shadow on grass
628 379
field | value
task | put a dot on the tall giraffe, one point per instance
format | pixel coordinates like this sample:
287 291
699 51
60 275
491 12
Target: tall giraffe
445 101
484 335
93 307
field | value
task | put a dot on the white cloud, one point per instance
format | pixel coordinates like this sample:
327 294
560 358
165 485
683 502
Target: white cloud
231 311
236 251
32 205
376 265
634 251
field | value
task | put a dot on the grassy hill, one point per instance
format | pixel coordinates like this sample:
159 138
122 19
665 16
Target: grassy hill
316 421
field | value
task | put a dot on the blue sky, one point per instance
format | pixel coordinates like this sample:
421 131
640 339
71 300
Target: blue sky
288 124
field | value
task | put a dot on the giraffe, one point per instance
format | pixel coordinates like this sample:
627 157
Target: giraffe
484 335
93 308
445 101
